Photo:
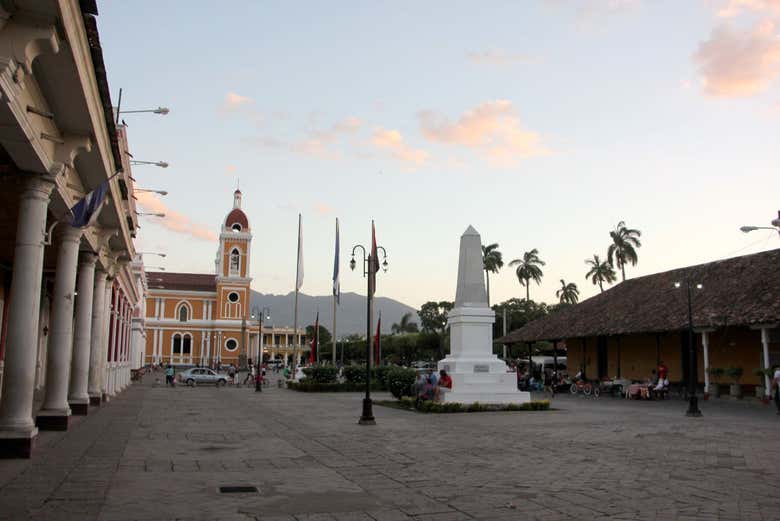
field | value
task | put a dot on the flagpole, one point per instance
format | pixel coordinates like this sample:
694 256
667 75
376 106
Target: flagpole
334 330
336 288
295 313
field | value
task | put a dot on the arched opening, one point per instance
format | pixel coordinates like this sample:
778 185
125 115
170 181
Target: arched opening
235 262
176 349
183 313
236 227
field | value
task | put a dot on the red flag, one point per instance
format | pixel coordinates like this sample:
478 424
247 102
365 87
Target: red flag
377 340
315 340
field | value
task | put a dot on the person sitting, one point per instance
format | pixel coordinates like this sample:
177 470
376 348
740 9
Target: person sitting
428 392
419 383
444 385
661 389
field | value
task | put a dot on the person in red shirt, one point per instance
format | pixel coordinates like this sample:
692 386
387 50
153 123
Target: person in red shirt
444 385
662 371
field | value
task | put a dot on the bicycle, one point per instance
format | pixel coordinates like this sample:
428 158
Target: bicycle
586 388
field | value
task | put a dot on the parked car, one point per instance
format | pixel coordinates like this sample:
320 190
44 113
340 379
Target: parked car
202 375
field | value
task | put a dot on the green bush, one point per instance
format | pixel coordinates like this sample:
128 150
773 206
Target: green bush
306 386
321 373
379 373
354 374
735 373
399 381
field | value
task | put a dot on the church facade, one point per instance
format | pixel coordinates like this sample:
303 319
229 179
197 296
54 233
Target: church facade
207 319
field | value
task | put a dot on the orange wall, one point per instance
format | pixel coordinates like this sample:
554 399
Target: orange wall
733 346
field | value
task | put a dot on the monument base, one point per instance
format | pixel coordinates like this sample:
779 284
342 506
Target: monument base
482 380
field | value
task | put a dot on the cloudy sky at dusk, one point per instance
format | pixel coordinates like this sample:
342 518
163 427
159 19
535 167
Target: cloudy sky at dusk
540 123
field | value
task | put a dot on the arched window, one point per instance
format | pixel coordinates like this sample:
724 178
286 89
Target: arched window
183 313
236 227
176 344
186 345
235 261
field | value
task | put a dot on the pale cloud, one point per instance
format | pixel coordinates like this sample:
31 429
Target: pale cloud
492 129
173 220
323 209
234 102
497 57
393 142
230 169
736 63
321 143
734 8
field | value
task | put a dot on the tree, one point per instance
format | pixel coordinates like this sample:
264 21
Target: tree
325 335
405 326
492 262
600 272
433 319
568 294
623 247
528 268
433 315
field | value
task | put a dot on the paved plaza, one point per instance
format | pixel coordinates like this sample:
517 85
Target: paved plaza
161 454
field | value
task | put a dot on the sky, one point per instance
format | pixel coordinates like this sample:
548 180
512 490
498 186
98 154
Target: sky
541 123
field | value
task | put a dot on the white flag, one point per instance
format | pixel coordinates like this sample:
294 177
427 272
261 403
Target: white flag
299 272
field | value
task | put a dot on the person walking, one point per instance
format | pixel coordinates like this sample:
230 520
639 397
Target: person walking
169 375
250 376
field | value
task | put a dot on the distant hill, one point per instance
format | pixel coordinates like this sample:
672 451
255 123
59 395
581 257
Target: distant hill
351 314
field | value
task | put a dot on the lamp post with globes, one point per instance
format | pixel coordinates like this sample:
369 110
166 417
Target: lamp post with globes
161 164
775 226
693 400
259 314
369 271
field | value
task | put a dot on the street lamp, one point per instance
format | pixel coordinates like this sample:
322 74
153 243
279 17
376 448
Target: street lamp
775 226
369 271
693 400
161 164
159 192
259 314
151 253
162 111
147 214
160 268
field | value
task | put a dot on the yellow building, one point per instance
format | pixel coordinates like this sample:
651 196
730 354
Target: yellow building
206 319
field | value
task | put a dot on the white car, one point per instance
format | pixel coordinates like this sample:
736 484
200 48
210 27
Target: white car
202 375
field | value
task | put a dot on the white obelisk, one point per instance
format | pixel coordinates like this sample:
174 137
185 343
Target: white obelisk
477 374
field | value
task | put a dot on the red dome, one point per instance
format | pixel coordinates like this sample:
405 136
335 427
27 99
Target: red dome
237 216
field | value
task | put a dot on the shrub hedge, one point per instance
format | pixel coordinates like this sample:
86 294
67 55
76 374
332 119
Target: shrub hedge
335 387
400 381
323 374
450 407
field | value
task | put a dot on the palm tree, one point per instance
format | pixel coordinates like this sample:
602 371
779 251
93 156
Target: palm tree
568 294
492 262
622 249
528 269
600 272
406 325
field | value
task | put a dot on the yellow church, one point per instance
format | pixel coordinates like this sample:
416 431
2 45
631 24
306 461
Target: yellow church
206 319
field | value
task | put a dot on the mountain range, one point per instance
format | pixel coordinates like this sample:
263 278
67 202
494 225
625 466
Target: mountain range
351 314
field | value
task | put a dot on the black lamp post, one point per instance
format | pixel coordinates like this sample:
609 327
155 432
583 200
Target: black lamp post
693 400
367 417
259 314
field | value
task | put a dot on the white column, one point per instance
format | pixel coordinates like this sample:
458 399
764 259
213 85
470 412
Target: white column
17 428
105 344
96 338
765 344
705 344
55 411
78 397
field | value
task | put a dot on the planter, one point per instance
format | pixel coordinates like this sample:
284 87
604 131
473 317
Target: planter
714 390
760 391
735 391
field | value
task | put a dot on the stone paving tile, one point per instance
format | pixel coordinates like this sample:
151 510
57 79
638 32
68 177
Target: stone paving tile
161 454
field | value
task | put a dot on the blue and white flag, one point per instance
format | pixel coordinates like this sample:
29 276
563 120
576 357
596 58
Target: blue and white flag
336 281
85 212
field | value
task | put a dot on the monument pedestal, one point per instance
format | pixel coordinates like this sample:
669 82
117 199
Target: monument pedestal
477 374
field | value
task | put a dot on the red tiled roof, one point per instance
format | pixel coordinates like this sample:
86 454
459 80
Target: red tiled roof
237 215
738 291
181 281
